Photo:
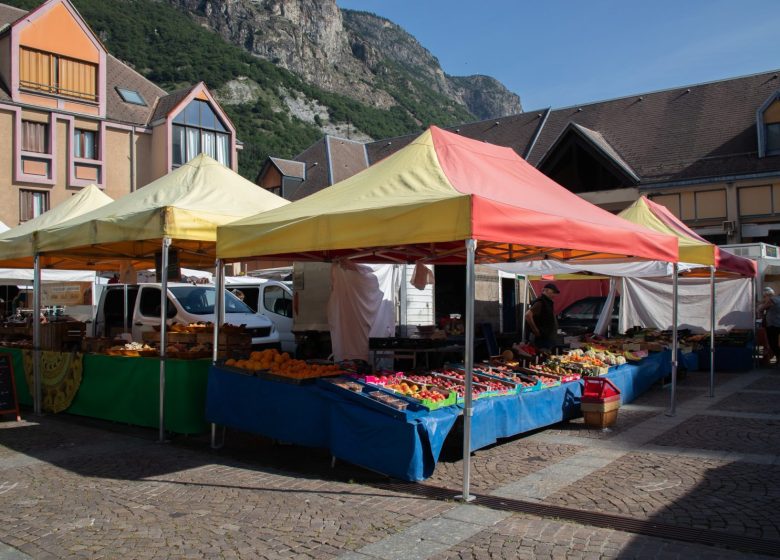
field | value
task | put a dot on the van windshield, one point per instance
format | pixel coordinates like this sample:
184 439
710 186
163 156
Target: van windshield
199 300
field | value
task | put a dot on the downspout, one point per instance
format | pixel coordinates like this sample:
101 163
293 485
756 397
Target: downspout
132 159
538 133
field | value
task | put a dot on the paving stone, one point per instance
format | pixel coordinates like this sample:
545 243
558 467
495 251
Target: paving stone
740 435
750 401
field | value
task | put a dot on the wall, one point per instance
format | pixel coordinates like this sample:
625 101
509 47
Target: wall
158 165
117 162
9 209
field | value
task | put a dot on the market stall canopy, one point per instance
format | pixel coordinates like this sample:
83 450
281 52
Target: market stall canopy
422 202
3 227
186 206
24 276
693 248
17 245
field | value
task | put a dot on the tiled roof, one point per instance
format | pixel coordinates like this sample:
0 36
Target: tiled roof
692 132
290 168
315 159
9 14
166 104
121 75
347 157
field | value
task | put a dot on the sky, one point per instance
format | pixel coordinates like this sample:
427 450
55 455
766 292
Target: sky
560 53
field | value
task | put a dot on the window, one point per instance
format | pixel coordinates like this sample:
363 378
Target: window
32 204
131 96
35 137
197 129
85 144
150 303
277 300
51 73
773 138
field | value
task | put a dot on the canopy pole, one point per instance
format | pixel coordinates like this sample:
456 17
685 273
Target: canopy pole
36 324
125 325
468 411
219 305
673 402
403 312
219 286
525 308
166 243
754 315
712 331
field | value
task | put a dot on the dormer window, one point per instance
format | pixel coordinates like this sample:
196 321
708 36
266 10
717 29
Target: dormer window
57 75
768 126
197 129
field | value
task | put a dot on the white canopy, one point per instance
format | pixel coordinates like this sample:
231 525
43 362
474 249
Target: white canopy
24 276
641 269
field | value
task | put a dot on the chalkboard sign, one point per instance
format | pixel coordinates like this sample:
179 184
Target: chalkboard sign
9 403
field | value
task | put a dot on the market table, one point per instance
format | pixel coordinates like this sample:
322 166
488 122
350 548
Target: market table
127 390
404 445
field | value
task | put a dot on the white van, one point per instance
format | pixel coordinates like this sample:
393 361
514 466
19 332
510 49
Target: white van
187 303
272 299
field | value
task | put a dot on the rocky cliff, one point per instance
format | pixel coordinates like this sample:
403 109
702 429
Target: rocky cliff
356 54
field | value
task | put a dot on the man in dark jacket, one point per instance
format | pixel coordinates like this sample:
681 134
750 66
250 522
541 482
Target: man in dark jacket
541 318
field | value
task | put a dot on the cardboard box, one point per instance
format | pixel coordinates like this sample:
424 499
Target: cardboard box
600 419
607 406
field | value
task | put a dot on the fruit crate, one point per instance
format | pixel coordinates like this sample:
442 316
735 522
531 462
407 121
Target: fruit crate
537 384
449 400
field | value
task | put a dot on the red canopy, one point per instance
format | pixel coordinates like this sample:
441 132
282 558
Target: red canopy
424 200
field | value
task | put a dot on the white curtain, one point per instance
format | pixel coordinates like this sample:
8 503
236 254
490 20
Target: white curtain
361 305
209 147
647 302
222 149
193 143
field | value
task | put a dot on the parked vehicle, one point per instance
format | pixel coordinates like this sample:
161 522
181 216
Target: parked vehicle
187 303
581 316
272 299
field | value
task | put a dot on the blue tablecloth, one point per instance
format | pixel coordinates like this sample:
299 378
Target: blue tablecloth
403 445
728 358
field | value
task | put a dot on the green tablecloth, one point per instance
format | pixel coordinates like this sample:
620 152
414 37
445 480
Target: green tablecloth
127 390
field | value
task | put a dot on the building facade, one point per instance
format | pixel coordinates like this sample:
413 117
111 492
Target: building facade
73 115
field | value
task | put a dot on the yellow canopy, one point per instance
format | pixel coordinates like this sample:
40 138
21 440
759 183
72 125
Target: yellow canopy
17 245
423 201
186 206
692 250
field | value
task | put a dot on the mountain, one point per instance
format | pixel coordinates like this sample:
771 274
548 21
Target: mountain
287 71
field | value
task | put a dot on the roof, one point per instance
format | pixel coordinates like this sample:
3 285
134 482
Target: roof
290 168
689 133
317 177
166 104
121 75
347 157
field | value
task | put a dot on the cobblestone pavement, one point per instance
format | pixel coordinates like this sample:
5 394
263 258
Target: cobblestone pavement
751 401
73 488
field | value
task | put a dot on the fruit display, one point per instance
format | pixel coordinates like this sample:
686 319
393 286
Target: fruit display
389 400
547 381
430 396
132 349
282 365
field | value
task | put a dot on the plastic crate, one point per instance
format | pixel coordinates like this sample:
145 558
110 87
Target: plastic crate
598 388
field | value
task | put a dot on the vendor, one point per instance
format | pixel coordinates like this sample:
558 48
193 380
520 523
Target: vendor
771 305
540 318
